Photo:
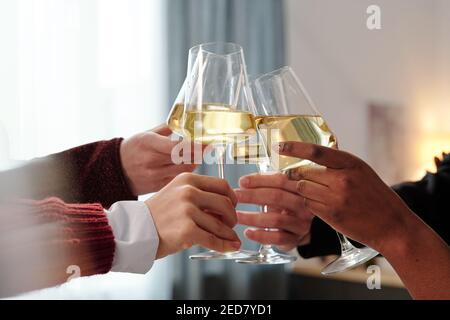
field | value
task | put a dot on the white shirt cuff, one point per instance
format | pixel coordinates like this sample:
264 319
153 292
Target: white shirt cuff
135 235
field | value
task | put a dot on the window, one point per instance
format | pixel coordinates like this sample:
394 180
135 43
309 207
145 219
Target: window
76 71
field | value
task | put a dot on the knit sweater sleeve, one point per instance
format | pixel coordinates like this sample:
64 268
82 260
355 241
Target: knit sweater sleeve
90 173
97 170
47 242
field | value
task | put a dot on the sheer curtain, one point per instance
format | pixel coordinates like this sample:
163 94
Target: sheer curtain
76 71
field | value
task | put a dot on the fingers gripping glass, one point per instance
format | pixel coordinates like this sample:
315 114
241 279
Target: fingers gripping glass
284 112
257 154
266 253
216 108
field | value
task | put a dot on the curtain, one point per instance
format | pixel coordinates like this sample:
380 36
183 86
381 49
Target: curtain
257 25
76 71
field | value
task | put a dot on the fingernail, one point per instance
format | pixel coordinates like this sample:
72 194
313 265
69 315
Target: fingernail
244 181
294 174
283 147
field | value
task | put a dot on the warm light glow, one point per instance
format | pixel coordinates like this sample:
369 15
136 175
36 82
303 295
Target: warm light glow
429 146
430 131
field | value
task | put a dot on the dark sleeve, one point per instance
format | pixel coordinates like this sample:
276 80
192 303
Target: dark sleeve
324 241
90 173
429 198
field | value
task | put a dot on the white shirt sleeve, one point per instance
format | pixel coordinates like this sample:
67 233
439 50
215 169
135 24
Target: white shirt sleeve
135 235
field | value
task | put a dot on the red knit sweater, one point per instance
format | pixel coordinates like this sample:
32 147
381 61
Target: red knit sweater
90 173
80 236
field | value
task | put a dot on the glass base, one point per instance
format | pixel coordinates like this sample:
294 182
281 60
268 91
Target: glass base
215 255
349 260
268 256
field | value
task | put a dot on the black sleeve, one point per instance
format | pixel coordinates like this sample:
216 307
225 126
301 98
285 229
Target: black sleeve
429 198
324 241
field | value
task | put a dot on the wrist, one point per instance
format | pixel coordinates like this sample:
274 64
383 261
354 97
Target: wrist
153 212
401 243
123 166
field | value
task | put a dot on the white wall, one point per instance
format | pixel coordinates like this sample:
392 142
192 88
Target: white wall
345 66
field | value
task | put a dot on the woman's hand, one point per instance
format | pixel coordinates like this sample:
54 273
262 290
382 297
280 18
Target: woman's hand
146 160
286 211
195 210
347 194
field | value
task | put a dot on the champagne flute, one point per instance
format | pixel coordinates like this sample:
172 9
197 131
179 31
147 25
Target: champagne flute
286 113
217 109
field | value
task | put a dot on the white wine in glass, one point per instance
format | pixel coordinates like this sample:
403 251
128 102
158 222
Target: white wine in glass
175 117
306 128
215 124
276 129
247 153
219 124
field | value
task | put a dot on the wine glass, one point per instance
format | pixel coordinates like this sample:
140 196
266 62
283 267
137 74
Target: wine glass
176 113
256 153
285 112
217 109
174 120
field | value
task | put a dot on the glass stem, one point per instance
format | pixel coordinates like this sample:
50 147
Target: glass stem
220 157
265 248
346 245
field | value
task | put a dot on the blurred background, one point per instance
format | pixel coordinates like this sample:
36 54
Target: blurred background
76 71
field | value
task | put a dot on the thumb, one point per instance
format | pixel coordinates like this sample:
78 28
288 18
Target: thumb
335 145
